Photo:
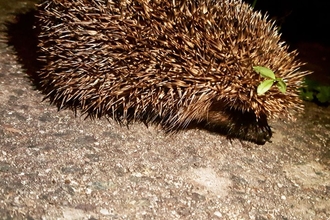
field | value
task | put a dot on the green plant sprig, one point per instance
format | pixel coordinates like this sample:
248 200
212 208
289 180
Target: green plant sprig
315 92
254 3
271 79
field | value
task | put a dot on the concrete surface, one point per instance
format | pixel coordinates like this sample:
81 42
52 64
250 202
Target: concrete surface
54 165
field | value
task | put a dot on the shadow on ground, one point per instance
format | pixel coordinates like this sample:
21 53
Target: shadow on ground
54 165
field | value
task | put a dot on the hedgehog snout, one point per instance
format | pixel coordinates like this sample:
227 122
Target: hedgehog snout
238 124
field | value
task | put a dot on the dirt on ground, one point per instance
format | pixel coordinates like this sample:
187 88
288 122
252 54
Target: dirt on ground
56 165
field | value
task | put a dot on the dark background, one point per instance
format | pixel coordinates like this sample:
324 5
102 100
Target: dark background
299 20
305 27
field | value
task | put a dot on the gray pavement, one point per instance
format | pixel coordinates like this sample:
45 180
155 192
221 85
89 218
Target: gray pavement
55 165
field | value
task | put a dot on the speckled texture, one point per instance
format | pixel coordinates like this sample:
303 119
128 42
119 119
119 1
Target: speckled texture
54 165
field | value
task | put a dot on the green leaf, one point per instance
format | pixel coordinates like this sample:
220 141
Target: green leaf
264 86
311 84
324 95
254 3
281 85
264 71
307 95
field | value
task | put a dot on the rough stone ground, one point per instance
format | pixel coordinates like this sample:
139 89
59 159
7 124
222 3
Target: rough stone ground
54 165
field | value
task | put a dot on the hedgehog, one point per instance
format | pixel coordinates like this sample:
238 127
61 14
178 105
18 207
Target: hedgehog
175 63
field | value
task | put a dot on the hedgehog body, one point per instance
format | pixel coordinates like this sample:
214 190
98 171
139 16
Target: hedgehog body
172 62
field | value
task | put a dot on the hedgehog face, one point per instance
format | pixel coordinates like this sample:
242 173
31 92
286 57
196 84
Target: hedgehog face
238 124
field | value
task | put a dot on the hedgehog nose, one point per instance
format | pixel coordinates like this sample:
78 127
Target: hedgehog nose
264 136
261 141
